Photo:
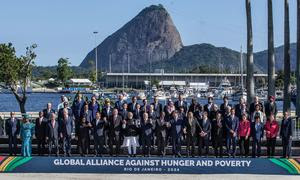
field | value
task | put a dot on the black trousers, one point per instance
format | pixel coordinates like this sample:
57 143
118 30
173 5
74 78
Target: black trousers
218 146
83 145
256 147
114 140
147 142
41 145
161 145
271 142
244 146
176 145
12 143
287 147
191 142
203 144
67 145
53 144
99 144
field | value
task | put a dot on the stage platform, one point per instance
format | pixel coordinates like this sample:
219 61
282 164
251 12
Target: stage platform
152 165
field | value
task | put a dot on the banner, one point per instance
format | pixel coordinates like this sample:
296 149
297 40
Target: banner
155 165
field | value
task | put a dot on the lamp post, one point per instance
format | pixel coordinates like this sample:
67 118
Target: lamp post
96 56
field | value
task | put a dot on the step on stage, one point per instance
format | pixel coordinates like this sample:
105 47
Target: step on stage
155 165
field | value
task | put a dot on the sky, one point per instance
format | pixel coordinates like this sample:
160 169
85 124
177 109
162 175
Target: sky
64 28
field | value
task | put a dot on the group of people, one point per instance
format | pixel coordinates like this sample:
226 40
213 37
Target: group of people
152 127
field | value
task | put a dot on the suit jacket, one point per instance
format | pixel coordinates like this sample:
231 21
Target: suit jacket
177 127
178 104
114 126
257 131
270 108
88 115
47 113
137 114
77 107
193 108
40 128
52 133
61 113
1 127
207 109
231 124
161 128
192 128
123 113
157 107
206 127
252 107
239 111
66 126
94 108
12 128
286 129
119 104
106 111
131 107
217 129
223 108
98 129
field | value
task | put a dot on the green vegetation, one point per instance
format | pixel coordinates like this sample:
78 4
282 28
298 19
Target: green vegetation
64 72
16 72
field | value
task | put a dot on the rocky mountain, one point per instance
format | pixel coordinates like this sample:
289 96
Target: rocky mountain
261 58
149 37
202 58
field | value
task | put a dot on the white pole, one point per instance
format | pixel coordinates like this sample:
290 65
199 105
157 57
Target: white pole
96 57
242 70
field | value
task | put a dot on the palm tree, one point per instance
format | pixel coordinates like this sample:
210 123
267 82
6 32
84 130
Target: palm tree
298 60
287 56
271 55
250 79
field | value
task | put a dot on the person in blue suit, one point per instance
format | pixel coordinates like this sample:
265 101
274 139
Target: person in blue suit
257 132
286 134
27 132
232 126
12 130
177 126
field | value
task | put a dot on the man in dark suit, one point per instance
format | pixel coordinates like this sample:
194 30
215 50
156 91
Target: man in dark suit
271 107
48 111
66 129
181 103
52 135
240 108
12 129
137 114
209 106
99 125
132 105
286 133
218 134
124 111
114 129
77 109
177 126
224 105
205 131
119 103
232 125
66 107
161 134
40 132
157 106
193 106
257 132
254 103
106 110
